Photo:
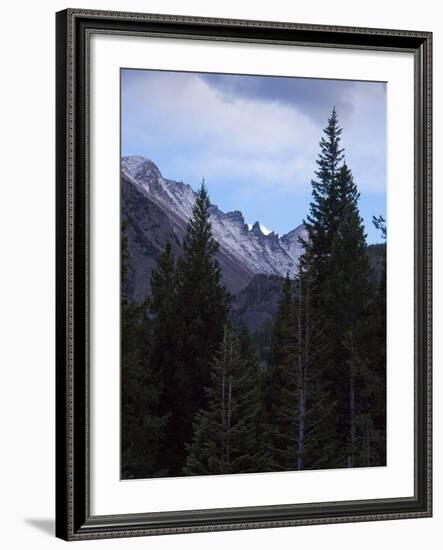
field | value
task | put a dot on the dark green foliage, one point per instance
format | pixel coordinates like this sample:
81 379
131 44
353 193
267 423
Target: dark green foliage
203 302
170 350
380 224
377 263
375 352
317 446
324 211
142 429
163 310
367 402
298 404
255 376
336 264
282 385
227 433
201 310
282 344
163 358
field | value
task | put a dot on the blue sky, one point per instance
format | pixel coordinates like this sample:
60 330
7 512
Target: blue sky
255 138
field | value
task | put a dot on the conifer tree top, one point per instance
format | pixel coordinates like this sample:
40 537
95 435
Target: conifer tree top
331 154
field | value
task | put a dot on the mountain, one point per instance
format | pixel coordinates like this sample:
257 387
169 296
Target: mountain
147 228
156 209
256 305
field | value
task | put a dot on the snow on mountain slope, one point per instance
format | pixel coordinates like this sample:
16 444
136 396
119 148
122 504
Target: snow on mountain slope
263 228
256 248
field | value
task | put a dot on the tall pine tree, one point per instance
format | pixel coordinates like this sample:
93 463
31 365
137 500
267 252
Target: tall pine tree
226 433
201 311
336 263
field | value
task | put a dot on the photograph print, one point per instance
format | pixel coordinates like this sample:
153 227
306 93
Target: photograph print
253 274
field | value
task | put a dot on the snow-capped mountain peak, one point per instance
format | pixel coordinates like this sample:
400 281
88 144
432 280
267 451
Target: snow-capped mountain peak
253 247
260 226
139 168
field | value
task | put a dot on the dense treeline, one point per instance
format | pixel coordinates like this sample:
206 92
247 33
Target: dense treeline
199 397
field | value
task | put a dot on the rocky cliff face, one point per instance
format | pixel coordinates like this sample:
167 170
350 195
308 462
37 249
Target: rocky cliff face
156 209
256 305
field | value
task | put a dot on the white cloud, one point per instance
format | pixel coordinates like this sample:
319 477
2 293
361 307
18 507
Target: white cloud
270 143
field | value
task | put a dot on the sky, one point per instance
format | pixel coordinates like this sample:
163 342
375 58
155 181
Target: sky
255 139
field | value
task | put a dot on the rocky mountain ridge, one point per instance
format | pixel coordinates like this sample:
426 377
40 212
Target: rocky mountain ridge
244 252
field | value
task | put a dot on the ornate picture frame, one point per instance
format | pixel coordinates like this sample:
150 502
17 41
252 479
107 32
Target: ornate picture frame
75 519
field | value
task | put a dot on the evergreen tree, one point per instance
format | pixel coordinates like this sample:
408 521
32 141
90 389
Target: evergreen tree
282 343
324 211
375 363
201 311
283 385
366 446
256 405
226 434
299 405
143 429
348 287
163 302
336 263
316 407
380 223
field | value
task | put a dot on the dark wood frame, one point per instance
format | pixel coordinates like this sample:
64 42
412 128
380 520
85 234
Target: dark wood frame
73 518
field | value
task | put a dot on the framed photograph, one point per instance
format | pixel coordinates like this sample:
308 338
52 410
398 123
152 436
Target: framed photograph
243 274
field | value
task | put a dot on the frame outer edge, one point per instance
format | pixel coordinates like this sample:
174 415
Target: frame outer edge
62 412
65 215
253 23
429 262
